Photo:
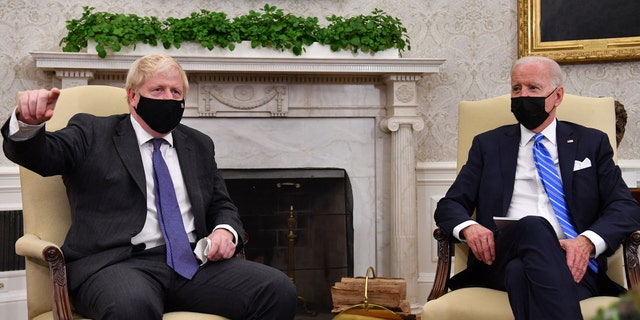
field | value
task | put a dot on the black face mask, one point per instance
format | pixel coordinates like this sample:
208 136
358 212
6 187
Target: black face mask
529 111
160 115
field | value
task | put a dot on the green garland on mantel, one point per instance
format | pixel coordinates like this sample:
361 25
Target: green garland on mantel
268 27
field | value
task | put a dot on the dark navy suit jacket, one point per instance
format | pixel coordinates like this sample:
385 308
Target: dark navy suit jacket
597 197
100 163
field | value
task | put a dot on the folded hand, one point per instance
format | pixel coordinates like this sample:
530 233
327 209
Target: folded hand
578 252
481 242
222 246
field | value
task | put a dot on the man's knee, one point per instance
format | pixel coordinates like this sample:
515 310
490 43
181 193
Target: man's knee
133 308
278 297
117 292
534 230
534 222
122 307
536 225
282 288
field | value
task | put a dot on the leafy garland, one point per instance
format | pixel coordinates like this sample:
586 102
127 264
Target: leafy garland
269 27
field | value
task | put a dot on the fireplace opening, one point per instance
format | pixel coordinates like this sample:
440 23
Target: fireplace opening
299 221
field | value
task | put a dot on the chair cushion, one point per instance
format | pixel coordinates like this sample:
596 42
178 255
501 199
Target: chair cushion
190 316
49 316
482 303
167 316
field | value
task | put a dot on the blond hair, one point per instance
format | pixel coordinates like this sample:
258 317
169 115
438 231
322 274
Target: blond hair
148 66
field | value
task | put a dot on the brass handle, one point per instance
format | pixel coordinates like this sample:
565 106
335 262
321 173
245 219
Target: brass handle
288 184
366 284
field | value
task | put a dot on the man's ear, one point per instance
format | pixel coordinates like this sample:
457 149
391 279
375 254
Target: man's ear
131 94
559 94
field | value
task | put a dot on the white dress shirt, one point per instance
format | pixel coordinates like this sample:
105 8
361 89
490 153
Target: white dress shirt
151 235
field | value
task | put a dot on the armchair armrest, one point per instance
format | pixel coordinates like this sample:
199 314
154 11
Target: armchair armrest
631 263
33 247
443 269
30 245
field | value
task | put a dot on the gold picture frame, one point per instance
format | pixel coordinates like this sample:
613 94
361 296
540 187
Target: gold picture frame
573 50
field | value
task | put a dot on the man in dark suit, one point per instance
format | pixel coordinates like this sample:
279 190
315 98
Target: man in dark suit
545 270
118 262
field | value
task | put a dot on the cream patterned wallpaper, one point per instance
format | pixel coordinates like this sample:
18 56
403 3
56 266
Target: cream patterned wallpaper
477 39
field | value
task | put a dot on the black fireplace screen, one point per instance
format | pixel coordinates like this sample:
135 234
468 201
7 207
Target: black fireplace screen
299 221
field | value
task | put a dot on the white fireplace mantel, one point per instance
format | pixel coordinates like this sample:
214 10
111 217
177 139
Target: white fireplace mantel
359 114
85 62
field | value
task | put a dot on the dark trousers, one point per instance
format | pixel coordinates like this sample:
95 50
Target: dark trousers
531 267
144 287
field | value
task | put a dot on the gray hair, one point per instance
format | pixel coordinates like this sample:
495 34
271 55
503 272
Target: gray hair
555 71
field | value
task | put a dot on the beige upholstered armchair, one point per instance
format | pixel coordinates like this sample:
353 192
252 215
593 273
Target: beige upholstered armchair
480 303
47 218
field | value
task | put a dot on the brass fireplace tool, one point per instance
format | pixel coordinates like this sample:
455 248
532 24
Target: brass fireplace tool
291 265
292 239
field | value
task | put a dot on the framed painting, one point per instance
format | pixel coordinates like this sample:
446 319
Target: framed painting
571 31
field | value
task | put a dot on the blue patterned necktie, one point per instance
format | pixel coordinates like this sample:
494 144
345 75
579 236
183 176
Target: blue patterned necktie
553 186
180 256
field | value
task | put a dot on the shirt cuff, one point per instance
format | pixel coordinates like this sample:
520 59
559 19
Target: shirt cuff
230 229
597 241
458 228
20 131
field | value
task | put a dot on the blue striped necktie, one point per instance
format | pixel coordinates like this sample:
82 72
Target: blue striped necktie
180 256
553 186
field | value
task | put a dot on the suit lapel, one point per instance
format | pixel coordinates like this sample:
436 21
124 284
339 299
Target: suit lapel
567 148
126 144
188 162
509 146
184 148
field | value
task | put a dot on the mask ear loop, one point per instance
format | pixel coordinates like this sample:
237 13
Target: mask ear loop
550 94
552 91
